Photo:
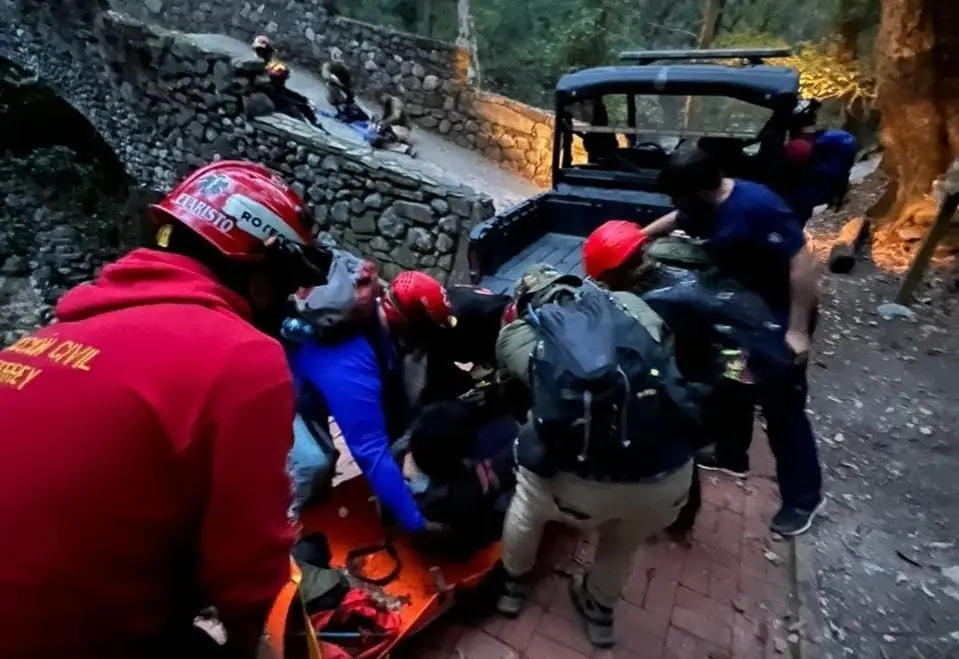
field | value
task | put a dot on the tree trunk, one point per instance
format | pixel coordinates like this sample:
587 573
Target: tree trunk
426 18
712 23
466 41
913 95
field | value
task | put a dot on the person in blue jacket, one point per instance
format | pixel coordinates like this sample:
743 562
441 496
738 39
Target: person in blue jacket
359 383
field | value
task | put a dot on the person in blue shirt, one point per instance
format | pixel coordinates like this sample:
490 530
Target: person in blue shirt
358 381
755 237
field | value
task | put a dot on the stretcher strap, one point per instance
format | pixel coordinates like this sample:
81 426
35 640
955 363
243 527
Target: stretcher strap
276 621
355 555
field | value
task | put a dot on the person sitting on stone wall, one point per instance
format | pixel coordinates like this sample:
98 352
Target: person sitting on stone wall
339 89
264 48
395 125
285 100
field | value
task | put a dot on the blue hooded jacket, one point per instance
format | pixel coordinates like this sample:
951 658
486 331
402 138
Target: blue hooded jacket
347 375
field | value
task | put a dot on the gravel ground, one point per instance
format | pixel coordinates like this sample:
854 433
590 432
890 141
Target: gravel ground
885 402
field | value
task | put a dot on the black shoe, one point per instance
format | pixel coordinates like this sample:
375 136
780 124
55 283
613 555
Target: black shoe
597 618
791 521
512 599
709 462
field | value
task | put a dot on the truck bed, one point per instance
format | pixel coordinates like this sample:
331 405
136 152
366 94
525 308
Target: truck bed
560 250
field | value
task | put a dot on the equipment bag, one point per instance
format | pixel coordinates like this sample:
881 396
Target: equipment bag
717 320
601 385
826 179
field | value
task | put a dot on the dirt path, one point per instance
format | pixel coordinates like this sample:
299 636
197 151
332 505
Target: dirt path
885 400
436 157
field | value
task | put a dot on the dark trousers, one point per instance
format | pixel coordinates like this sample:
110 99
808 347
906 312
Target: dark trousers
728 421
791 438
728 418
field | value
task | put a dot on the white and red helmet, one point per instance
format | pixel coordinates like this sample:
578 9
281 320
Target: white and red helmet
262 42
243 209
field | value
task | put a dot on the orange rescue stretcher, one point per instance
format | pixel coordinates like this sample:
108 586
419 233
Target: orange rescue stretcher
422 589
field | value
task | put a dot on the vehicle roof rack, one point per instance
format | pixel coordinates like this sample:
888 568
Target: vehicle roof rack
751 55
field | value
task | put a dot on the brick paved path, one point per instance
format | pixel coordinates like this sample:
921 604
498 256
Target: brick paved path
727 596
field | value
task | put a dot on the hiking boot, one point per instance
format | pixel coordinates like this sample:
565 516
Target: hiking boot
791 521
512 599
597 618
709 462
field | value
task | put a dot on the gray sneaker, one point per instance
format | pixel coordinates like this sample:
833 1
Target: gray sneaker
513 597
597 618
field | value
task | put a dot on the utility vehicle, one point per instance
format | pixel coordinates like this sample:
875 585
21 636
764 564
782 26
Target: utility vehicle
615 128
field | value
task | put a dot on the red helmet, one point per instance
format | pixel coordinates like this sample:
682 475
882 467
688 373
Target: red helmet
237 207
413 296
610 246
248 214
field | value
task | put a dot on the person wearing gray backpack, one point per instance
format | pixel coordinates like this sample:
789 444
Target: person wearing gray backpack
608 444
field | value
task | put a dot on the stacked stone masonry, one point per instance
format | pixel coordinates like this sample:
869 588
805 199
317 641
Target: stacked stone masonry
430 75
172 106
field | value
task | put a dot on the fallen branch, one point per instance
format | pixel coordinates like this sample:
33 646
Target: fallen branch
842 255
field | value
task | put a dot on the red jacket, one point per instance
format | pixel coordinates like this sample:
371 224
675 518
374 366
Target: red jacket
142 452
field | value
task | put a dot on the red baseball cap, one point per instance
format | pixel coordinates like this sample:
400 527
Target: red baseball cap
611 245
412 295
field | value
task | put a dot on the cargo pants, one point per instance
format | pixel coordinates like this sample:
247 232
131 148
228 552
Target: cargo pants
624 514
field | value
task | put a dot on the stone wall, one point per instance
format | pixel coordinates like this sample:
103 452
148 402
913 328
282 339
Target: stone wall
203 105
430 75
32 35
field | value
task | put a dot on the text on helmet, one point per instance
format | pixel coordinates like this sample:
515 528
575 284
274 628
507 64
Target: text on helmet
203 211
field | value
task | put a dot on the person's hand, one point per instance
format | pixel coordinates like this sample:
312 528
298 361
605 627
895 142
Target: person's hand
798 343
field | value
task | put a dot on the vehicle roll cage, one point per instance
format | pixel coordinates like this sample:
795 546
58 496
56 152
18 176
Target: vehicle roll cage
698 74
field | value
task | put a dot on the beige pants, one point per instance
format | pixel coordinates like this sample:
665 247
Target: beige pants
625 514
401 133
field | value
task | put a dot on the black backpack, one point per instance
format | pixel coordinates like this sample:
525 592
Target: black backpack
604 391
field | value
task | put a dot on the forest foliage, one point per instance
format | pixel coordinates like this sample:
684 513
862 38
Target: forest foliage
524 47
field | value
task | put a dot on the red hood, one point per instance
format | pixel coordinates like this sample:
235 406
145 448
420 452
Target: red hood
146 276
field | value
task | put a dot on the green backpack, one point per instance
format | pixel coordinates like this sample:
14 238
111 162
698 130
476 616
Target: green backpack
679 252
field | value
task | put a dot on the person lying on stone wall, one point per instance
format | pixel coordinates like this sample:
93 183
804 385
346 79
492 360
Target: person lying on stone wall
157 488
457 459
285 100
339 89
354 367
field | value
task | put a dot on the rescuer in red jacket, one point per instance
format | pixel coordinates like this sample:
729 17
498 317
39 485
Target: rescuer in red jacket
145 432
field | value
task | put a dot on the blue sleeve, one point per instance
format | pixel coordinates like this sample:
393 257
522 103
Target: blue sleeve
348 376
